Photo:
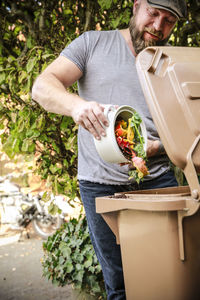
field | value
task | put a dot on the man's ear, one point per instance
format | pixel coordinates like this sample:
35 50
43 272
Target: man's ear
135 6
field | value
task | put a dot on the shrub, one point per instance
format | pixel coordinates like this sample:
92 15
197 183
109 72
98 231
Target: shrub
69 258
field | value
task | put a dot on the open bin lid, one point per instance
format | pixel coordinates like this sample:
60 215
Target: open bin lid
170 79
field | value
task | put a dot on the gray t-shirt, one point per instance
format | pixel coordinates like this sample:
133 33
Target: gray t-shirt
109 77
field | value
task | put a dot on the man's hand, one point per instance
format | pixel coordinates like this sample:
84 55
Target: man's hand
91 116
154 148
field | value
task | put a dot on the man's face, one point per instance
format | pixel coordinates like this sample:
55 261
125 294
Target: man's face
150 26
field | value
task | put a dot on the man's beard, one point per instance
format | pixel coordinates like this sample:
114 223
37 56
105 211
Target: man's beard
137 37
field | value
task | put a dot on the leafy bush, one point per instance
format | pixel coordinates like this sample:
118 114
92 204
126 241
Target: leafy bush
27 129
69 258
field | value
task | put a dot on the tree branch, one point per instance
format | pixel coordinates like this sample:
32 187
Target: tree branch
88 15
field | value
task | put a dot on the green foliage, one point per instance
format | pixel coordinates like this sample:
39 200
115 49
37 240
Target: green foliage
105 4
69 258
187 32
139 140
28 129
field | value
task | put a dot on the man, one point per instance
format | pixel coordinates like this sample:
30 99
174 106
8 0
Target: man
104 65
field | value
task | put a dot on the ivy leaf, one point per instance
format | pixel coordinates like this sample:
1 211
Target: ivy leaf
88 262
48 246
22 76
47 55
69 267
2 77
20 125
55 147
15 145
25 145
7 147
91 269
61 260
65 249
32 133
79 276
31 64
54 169
46 196
95 287
79 267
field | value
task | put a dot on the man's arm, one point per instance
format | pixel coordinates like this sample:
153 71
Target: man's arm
49 90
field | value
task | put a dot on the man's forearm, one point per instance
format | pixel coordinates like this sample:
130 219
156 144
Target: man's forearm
51 94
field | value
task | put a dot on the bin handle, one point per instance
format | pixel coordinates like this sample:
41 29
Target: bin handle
107 108
192 206
190 172
155 60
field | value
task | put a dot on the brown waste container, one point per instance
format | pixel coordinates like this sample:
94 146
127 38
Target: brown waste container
159 230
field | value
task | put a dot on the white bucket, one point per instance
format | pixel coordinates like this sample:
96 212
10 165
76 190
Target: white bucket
107 147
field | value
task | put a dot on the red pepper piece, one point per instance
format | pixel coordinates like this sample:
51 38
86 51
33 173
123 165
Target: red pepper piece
120 129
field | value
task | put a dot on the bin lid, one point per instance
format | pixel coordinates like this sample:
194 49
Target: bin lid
170 79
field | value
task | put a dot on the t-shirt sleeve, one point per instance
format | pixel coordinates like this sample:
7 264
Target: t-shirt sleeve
76 51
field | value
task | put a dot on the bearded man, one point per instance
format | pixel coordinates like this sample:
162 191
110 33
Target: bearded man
103 63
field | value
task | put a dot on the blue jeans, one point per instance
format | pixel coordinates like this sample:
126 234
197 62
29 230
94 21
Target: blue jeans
103 239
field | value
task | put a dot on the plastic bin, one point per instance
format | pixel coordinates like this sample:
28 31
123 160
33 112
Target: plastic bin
159 230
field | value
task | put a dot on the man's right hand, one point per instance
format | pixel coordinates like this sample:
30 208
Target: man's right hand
90 115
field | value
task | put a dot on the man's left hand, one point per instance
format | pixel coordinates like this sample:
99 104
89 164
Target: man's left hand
154 148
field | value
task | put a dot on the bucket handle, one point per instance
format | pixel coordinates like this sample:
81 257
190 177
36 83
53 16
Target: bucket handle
107 108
